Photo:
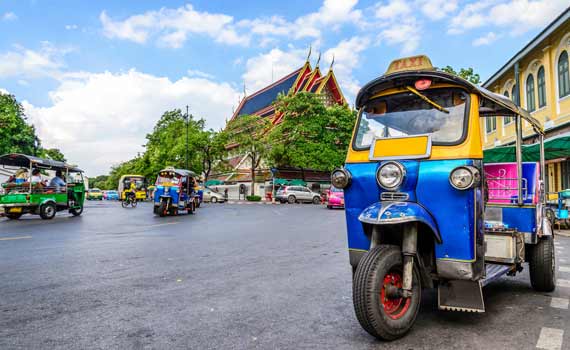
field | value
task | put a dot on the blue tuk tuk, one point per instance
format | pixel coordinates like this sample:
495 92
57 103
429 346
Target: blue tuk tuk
423 209
175 192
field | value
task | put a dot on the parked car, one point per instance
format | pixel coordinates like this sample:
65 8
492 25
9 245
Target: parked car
95 194
335 198
111 195
297 194
213 196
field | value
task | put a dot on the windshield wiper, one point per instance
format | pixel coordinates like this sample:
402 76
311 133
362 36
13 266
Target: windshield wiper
426 99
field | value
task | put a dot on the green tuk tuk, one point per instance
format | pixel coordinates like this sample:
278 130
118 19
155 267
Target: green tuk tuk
23 193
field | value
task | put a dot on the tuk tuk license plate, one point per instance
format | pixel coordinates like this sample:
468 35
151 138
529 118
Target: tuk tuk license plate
15 210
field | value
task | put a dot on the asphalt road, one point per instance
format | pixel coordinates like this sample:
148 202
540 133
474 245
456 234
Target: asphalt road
230 277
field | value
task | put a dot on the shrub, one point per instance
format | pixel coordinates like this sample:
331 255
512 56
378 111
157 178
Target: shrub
253 198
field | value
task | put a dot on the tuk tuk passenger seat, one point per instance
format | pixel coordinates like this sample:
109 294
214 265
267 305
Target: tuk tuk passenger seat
501 181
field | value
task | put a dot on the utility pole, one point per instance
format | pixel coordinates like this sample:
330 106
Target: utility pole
187 119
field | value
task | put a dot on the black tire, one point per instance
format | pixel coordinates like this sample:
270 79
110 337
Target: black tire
47 211
291 199
378 319
14 216
542 265
134 203
125 203
76 211
213 200
162 209
316 200
329 206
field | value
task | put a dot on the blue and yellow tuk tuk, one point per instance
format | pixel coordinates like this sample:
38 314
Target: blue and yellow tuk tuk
424 210
175 192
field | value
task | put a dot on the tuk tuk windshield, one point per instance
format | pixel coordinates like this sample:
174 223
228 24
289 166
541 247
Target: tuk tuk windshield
166 179
406 114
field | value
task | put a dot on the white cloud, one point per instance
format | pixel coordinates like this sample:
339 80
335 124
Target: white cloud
393 9
100 119
519 16
347 57
199 74
486 39
9 16
406 33
172 27
264 69
437 9
71 26
23 62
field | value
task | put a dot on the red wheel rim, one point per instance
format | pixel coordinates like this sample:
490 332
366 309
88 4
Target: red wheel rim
395 308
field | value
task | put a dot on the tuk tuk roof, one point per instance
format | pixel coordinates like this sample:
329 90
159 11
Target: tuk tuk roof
24 161
491 104
132 175
182 172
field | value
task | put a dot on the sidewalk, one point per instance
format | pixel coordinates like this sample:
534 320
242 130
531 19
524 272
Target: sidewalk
241 201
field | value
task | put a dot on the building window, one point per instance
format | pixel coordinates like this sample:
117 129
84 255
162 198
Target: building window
507 120
530 101
490 124
514 95
563 76
541 85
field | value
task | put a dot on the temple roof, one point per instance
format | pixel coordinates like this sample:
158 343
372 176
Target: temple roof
302 79
265 97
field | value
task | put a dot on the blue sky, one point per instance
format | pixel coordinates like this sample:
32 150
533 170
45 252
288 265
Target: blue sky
94 76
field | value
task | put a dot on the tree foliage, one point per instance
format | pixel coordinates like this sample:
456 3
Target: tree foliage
166 146
311 135
53 153
249 134
16 135
465 73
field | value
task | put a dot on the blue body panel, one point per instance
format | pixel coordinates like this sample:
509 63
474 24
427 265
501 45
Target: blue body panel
523 219
427 182
452 209
162 191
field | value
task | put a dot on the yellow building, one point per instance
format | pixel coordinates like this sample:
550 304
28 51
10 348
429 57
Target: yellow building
541 70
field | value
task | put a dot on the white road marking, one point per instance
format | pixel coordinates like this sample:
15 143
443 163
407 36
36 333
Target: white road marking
562 260
563 283
559 303
14 238
550 339
564 268
560 248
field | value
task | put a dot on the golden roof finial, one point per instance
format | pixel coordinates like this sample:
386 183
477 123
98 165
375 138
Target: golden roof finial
318 60
310 50
332 63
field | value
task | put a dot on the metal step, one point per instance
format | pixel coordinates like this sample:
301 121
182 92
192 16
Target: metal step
494 272
460 295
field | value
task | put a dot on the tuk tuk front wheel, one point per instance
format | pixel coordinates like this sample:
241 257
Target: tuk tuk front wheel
47 211
379 306
542 265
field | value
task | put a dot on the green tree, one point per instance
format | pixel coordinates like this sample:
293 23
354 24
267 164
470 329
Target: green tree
212 150
52 153
100 182
311 135
248 133
16 136
465 73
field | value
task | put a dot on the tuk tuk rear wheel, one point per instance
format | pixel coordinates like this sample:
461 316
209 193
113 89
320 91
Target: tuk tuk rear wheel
47 211
76 211
162 209
542 265
14 216
378 275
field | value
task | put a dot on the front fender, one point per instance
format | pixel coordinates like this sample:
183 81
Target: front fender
391 213
47 200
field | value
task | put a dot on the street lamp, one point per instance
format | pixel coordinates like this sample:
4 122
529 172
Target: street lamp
187 119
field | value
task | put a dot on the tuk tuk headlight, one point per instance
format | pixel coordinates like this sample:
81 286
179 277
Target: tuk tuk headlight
464 177
390 175
340 178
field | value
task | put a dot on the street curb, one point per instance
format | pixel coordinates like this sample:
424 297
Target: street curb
246 202
562 233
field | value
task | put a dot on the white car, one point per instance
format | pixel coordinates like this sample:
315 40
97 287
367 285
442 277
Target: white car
297 194
212 196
